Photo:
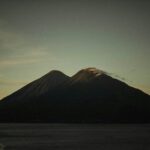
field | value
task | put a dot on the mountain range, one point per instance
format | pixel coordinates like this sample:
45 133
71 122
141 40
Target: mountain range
89 96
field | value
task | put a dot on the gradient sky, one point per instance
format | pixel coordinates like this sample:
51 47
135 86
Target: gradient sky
37 36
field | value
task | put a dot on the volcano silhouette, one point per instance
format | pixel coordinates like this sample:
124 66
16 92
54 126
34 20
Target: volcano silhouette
89 96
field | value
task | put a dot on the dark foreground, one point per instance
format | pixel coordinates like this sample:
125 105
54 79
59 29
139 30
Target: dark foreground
75 136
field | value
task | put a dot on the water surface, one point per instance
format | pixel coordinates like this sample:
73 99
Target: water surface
74 136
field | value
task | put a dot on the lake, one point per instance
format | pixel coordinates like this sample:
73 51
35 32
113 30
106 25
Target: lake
74 136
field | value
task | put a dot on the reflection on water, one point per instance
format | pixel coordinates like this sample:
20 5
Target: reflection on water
1 146
75 137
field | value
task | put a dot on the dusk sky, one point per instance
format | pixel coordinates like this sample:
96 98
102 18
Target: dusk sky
37 36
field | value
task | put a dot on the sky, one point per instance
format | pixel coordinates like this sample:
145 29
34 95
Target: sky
37 36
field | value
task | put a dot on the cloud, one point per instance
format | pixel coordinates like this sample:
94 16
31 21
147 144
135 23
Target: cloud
15 50
9 41
3 93
9 86
4 82
9 63
143 87
18 49
117 76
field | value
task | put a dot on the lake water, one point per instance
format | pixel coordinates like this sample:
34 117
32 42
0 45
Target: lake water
74 136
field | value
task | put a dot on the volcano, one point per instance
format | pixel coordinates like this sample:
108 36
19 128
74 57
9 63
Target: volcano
89 96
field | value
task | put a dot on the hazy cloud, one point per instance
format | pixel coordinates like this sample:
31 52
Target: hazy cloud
117 76
16 50
8 86
4 82
7 63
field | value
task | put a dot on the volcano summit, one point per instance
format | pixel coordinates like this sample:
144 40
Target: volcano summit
89 96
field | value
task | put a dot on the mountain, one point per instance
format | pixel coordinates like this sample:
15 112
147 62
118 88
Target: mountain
91 95
38 87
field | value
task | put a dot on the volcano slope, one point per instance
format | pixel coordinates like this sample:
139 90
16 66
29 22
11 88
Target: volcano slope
89 96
